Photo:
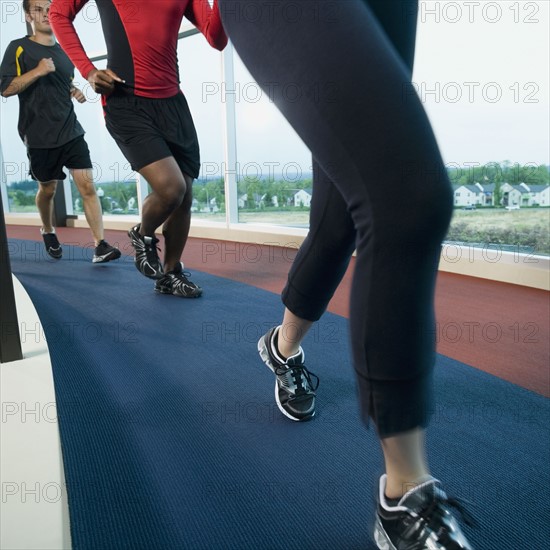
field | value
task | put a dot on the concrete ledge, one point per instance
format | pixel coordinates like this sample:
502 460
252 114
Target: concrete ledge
490 262
23 219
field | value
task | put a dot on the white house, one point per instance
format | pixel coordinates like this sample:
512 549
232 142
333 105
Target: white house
466 195
259 200
511 195
541 196
488 194
302 197
536 195
241 201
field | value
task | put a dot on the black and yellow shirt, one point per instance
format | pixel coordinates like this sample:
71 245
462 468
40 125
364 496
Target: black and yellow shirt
46 112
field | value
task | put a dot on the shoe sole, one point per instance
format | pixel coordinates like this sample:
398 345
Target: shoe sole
167 291
381 538
55 255
106 258
264 355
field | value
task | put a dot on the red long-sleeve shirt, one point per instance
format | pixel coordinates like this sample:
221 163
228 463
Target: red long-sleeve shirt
141 38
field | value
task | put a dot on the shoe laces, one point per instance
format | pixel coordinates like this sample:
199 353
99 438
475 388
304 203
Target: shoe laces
152 247
302 379
436 510
182 277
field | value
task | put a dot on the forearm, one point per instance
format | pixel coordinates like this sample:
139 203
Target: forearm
20 83
216 33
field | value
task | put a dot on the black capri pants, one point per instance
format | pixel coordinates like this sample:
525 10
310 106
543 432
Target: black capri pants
380 185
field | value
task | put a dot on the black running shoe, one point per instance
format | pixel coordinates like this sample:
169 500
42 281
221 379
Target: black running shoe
294 390
176 282
147 259
422 520
53 248
104 252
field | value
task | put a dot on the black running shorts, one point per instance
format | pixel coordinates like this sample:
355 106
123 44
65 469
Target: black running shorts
47 164
150 129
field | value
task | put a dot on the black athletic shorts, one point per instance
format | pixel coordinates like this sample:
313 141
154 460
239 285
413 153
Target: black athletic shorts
151 129
47 164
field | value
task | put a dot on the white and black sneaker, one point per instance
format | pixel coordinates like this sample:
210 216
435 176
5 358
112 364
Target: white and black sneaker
147 259
176 282
420 520
294 389
53 248
104 252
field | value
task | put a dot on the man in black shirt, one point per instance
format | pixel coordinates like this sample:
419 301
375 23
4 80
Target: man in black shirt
37 70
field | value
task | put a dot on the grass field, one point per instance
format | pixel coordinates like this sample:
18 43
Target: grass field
527 228
492 217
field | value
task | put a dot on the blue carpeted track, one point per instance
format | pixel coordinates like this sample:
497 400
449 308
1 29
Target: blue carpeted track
171 438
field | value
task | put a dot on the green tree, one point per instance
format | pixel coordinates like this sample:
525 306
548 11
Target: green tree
25 185
254 187
20 198
497 194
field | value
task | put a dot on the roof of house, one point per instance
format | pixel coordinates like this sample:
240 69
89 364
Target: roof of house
472 188
538 187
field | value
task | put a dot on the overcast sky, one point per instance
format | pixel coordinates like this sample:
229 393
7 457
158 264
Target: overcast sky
482 72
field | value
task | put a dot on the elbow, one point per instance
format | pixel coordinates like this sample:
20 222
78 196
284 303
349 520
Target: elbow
219 43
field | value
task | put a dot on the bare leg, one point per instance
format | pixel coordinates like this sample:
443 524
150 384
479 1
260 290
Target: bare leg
169 189
405 458
44 204
292 332
92 208
176 228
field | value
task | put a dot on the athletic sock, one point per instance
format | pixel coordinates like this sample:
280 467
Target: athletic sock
393 502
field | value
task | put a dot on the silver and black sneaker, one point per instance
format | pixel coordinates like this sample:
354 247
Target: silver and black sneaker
53 248
104 252
294 389
147 259
421 520
176 282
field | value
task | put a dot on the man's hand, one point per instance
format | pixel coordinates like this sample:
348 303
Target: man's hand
45 66
103 81
78 95
20 83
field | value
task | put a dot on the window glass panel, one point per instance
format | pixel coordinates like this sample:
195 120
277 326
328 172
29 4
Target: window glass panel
21 189
200 75
274 165
114 179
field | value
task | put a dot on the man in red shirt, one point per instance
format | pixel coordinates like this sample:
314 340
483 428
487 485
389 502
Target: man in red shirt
148 116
